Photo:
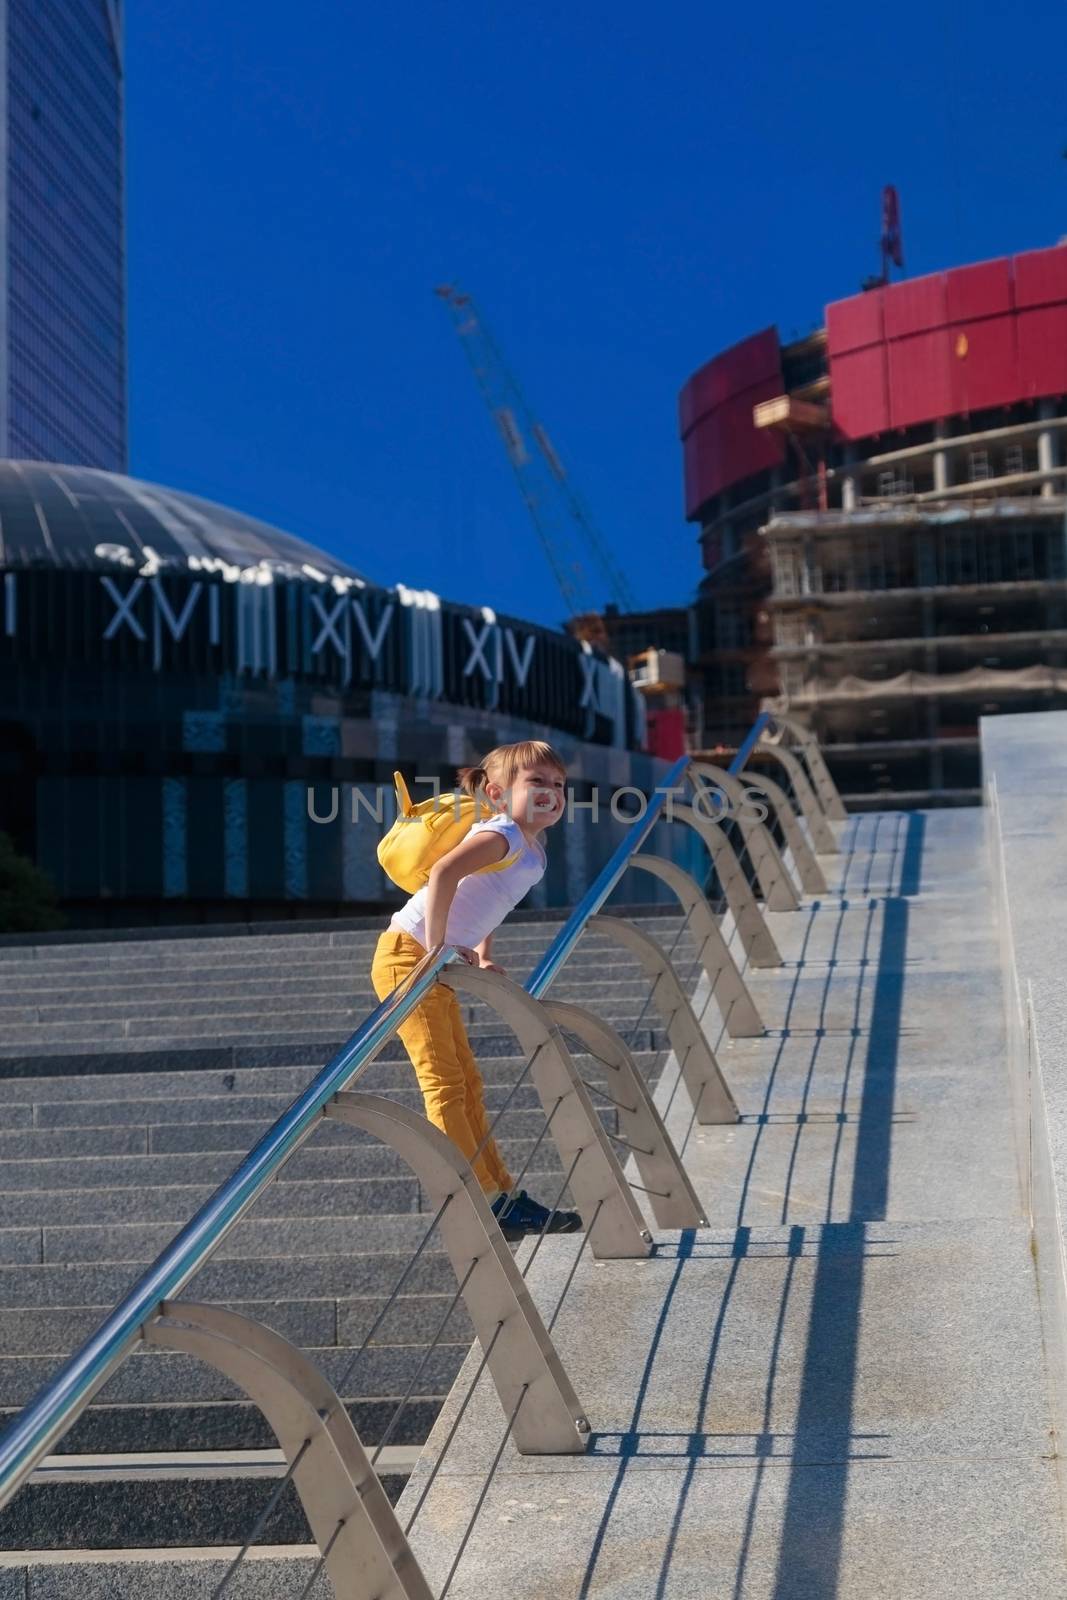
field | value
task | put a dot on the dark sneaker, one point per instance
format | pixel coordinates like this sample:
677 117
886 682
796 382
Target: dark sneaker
517 1215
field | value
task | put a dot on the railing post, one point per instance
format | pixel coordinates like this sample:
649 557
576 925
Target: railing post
708 1089
778 891
615 1224
664 1179
759 946
825 787
822 835
505 1319
812 880
364 1548
728 988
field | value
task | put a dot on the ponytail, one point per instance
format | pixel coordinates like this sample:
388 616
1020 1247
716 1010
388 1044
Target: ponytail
471 779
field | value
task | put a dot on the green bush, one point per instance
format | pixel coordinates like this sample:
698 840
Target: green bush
27 897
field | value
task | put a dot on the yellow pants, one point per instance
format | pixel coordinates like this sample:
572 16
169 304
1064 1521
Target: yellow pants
436 1040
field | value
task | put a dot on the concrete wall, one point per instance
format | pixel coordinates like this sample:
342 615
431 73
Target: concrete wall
1024 768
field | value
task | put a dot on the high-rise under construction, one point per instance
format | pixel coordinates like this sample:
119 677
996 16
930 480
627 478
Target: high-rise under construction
881 510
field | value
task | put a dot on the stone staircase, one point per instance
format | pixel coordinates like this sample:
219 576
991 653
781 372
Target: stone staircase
134 1075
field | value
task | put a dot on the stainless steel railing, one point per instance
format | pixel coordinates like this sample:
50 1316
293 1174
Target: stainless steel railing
49 1417
58 1406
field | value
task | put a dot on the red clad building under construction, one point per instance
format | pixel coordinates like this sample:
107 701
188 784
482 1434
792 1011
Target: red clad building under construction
881 511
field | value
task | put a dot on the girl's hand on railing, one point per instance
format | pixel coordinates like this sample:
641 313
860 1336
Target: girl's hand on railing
464 952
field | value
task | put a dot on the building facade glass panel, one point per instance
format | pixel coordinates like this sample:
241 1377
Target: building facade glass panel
64 252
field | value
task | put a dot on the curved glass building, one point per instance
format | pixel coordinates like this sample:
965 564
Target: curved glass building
193 704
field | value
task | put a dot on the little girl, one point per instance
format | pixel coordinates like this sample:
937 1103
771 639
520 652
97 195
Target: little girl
461 905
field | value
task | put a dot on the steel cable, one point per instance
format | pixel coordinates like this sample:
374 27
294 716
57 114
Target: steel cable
387 1432
574 1266
594 1088
380 1318
321 1562
537 1143
435 1469
523 1392
686 985
261 1521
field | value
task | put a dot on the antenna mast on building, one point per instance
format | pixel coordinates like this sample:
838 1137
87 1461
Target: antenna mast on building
892 243
550 497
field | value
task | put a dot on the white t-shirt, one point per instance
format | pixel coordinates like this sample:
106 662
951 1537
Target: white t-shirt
482 899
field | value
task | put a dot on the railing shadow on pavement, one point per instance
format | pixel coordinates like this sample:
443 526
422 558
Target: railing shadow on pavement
823 1442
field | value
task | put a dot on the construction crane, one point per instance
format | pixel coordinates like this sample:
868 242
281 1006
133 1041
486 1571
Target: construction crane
556 508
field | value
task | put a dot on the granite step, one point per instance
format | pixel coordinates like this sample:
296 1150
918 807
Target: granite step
296 978
227 1425
220 995
329 1161
225 1279
204 960
156 1109
271 1572
159 1378
252 1031
266 1237
103 982
35 1144
152 1500
175 1203
233 1134
235 1053
19 1095
134 1075
532 926
308 1322
318 1022
609 992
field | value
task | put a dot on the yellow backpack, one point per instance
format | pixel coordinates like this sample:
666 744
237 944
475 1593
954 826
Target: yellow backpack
423 833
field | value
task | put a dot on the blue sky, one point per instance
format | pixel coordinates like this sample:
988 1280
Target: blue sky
626 189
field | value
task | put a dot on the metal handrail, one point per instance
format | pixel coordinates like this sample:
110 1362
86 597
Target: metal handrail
613 869
62 1401
47 1418
602 884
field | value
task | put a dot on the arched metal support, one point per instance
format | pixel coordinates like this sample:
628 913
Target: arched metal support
728 989
616 1225
822 835
777 887
367 1554
825 787
759 946
810 873
701 1073
663 1177
550 1421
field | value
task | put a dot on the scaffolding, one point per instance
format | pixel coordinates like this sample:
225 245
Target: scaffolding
897 627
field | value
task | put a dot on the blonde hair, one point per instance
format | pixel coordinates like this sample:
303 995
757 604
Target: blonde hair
504 764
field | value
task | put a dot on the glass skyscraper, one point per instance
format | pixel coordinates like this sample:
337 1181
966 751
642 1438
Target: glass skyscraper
62 235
